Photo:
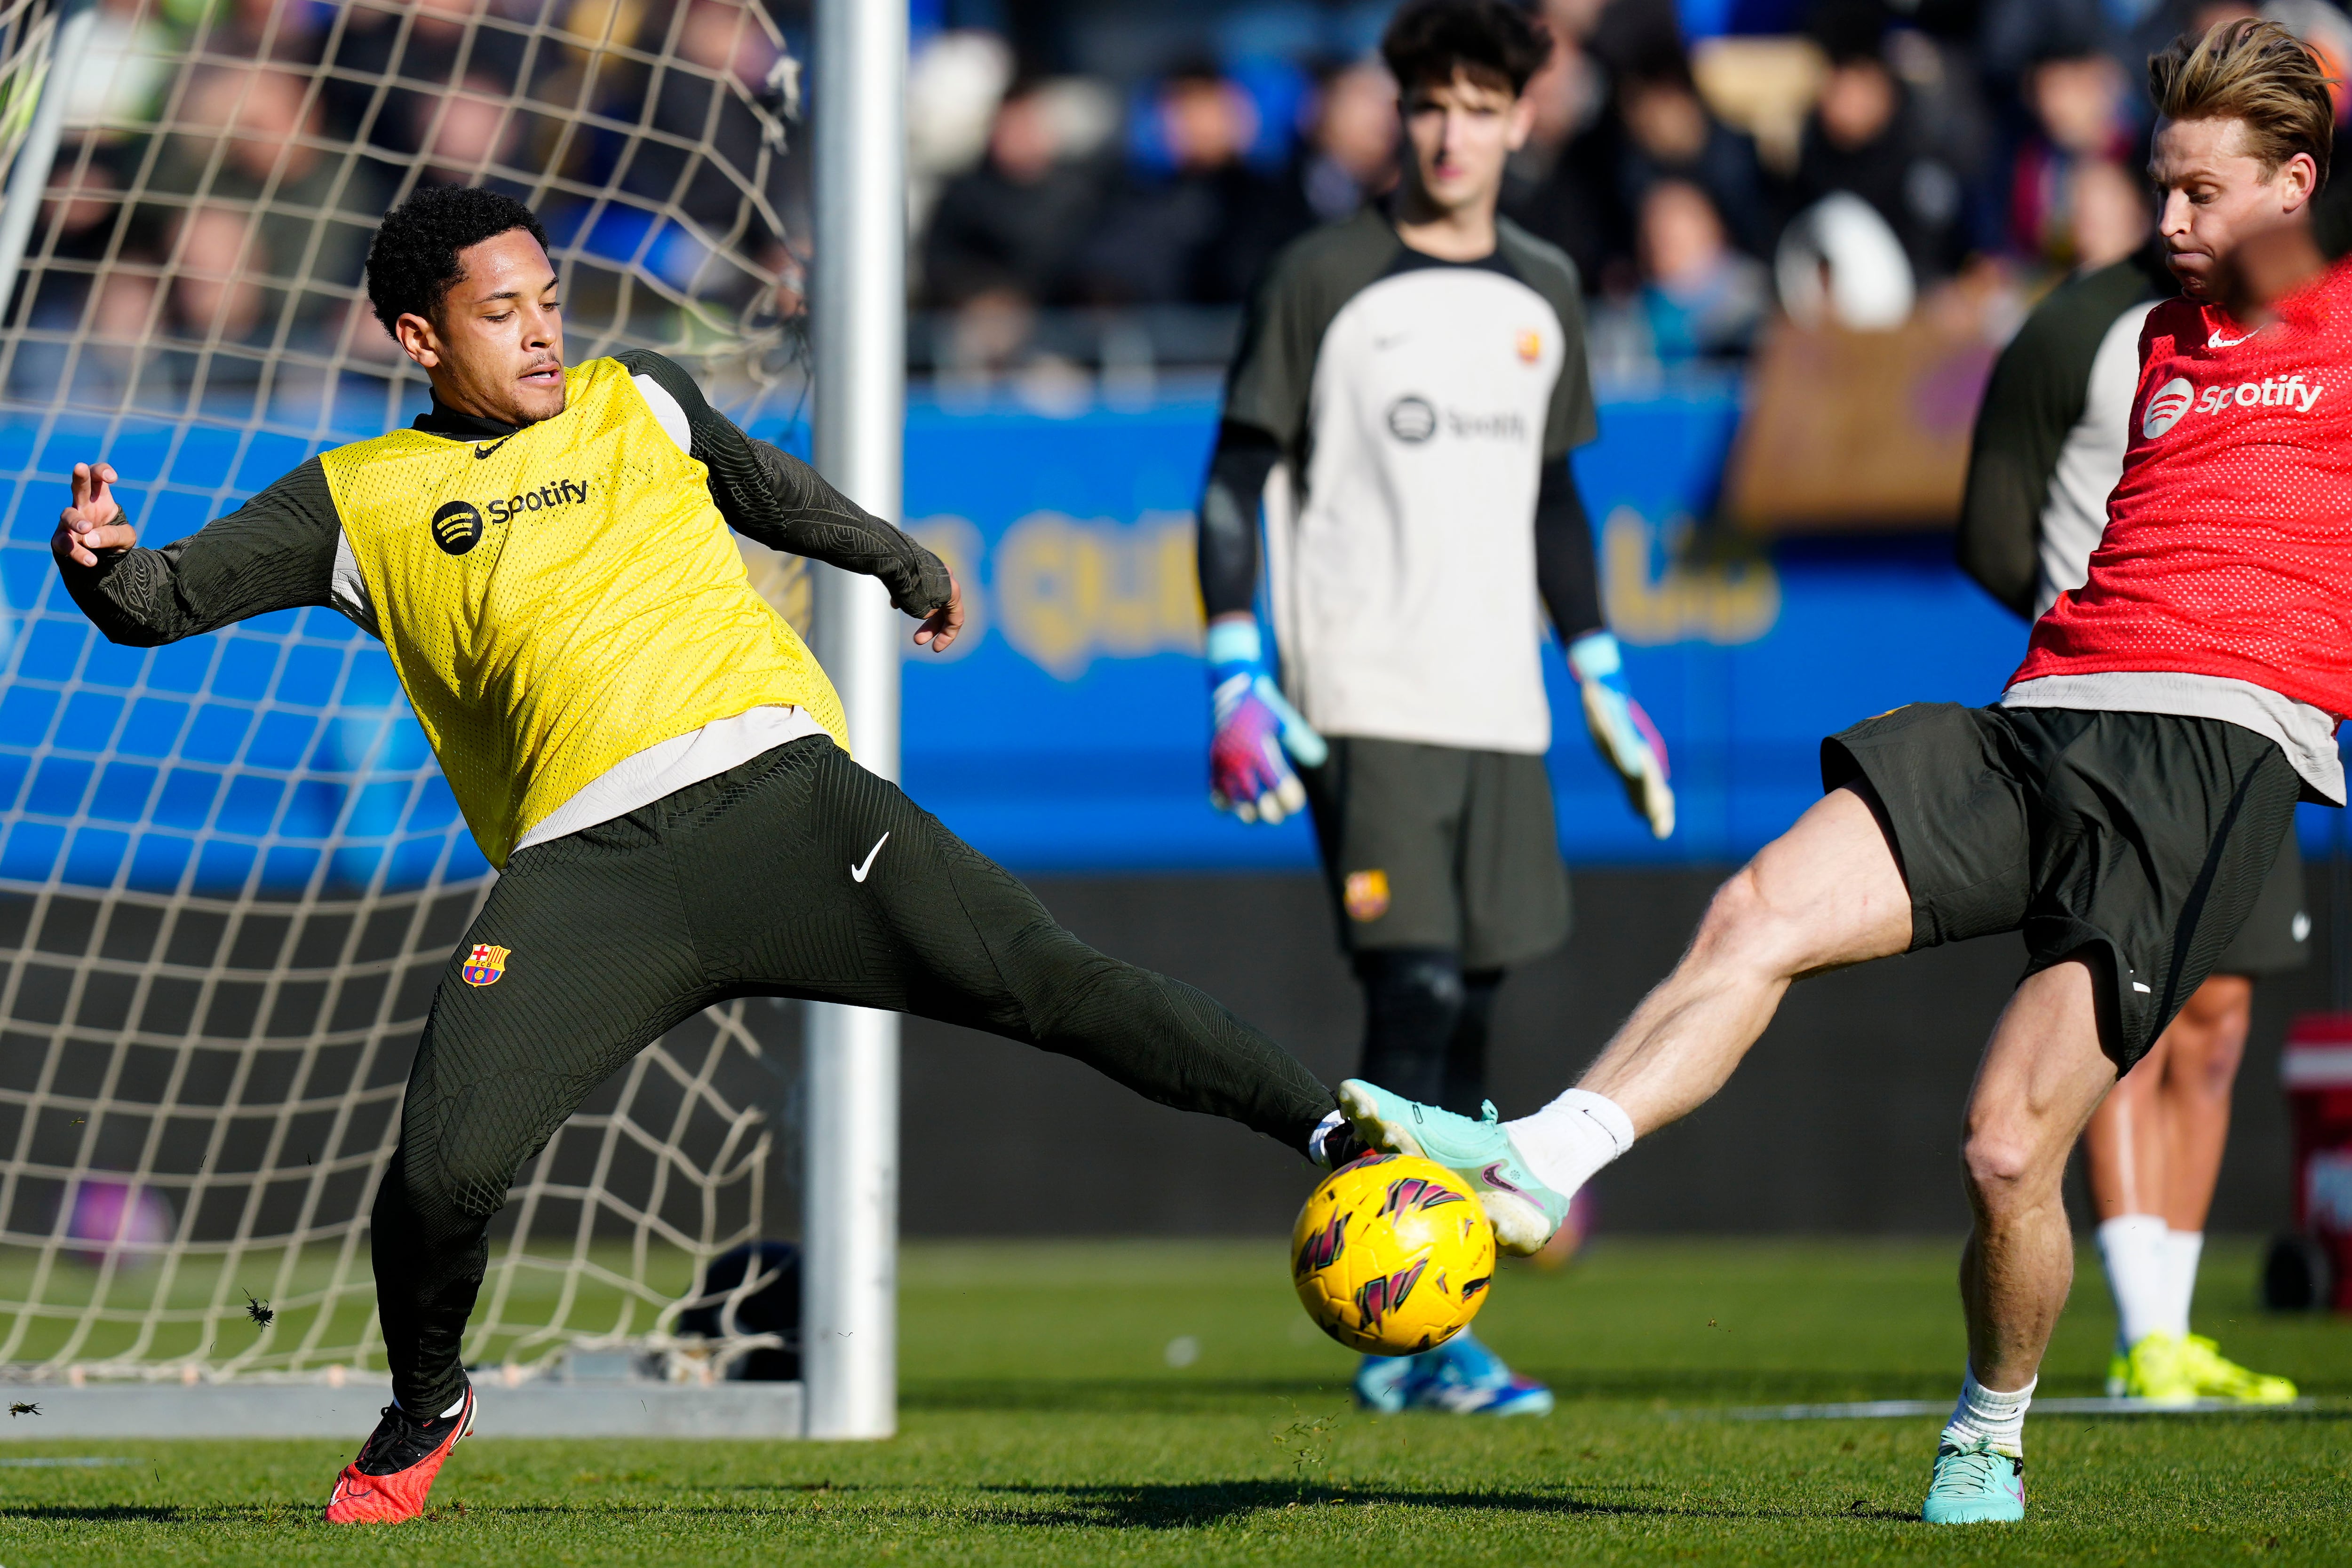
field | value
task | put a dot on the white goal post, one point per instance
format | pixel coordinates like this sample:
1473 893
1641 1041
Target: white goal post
859 308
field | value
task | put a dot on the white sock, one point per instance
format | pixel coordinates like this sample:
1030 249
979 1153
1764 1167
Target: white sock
2136 1252
1986 1413
1573 1137
2182 1248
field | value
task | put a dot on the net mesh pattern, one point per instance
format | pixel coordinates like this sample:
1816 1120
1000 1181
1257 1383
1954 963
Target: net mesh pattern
230 872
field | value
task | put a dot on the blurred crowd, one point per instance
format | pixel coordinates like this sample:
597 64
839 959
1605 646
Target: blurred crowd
222 168
1851 160
1709 163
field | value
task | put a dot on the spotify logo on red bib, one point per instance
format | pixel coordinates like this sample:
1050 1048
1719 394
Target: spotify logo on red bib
2172 400
2175 399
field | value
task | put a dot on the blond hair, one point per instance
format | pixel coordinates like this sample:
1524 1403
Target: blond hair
2258 74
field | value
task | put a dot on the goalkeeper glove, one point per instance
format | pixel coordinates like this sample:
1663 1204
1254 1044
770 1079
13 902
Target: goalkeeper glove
1249 773
1622 731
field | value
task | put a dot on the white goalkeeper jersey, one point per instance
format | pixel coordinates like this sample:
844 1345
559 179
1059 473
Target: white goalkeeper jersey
1416 401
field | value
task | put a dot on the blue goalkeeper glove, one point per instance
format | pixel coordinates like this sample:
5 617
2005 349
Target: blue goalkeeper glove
1622 732
1259 733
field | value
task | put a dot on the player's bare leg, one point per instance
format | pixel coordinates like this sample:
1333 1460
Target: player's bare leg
1827 893
2154 1146
2200 1073
2042 1075
2154 1154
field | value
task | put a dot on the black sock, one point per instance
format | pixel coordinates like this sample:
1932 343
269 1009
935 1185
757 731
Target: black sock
1413 1008
1465 1053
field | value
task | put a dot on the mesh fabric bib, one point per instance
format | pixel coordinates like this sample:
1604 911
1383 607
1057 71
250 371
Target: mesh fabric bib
561 600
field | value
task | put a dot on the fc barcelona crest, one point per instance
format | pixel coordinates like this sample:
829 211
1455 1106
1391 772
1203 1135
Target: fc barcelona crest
483 965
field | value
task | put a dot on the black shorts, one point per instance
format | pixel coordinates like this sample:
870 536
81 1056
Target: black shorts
2147 837
1439 846
2277 938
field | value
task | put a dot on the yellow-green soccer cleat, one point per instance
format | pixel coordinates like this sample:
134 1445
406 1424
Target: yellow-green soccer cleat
2156 1371
1975 1485
2215 1376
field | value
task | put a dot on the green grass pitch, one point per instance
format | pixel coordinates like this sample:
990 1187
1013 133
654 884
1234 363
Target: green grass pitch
1044 1422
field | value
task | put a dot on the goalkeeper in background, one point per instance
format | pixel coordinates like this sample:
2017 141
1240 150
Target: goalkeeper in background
640 746
1419 372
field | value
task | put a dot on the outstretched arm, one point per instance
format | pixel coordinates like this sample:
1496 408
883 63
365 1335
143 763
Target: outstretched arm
774 498
275 553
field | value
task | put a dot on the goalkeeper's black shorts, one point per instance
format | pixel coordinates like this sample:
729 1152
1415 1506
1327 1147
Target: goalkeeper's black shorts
797 875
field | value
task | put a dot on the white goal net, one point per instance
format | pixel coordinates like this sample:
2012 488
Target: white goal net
230 872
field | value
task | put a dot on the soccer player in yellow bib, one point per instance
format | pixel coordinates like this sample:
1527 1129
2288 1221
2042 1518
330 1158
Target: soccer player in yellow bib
640 746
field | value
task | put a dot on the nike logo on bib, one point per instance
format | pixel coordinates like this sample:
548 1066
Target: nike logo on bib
857 873
493 447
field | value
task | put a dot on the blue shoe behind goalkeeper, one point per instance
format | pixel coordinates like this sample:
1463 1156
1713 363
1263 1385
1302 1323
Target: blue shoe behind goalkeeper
1460 1377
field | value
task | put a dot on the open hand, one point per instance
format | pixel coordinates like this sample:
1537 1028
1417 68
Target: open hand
93 525
939 627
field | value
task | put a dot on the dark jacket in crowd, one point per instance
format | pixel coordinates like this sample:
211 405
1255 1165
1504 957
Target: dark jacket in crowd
1196 238
1909 182
990 232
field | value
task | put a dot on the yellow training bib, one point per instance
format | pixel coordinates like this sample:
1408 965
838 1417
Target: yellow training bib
561 600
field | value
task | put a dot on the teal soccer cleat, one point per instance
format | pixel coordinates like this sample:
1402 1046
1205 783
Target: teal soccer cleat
1975 1485
1523 1210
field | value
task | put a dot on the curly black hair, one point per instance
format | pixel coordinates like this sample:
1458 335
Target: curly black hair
1493 42
412 262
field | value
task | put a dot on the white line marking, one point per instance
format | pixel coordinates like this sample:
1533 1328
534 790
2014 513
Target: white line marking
1882 1409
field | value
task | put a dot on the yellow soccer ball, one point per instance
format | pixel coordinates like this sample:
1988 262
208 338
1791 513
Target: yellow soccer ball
1392 1254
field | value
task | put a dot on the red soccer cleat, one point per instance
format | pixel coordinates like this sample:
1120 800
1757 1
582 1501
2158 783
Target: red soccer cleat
387 1482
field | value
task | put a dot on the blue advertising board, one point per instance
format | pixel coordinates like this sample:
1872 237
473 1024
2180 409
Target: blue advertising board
1067 732
1070 733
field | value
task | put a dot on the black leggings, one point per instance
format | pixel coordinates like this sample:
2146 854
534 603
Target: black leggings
1425 1024
749 884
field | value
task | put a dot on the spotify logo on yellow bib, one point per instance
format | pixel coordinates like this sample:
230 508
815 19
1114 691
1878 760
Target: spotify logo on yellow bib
457 528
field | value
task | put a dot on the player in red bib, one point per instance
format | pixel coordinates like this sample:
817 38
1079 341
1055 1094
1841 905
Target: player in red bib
2120 807
2223 556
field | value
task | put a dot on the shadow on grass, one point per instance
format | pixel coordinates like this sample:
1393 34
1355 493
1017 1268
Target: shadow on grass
1174 1505
1193 1505
113 1513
